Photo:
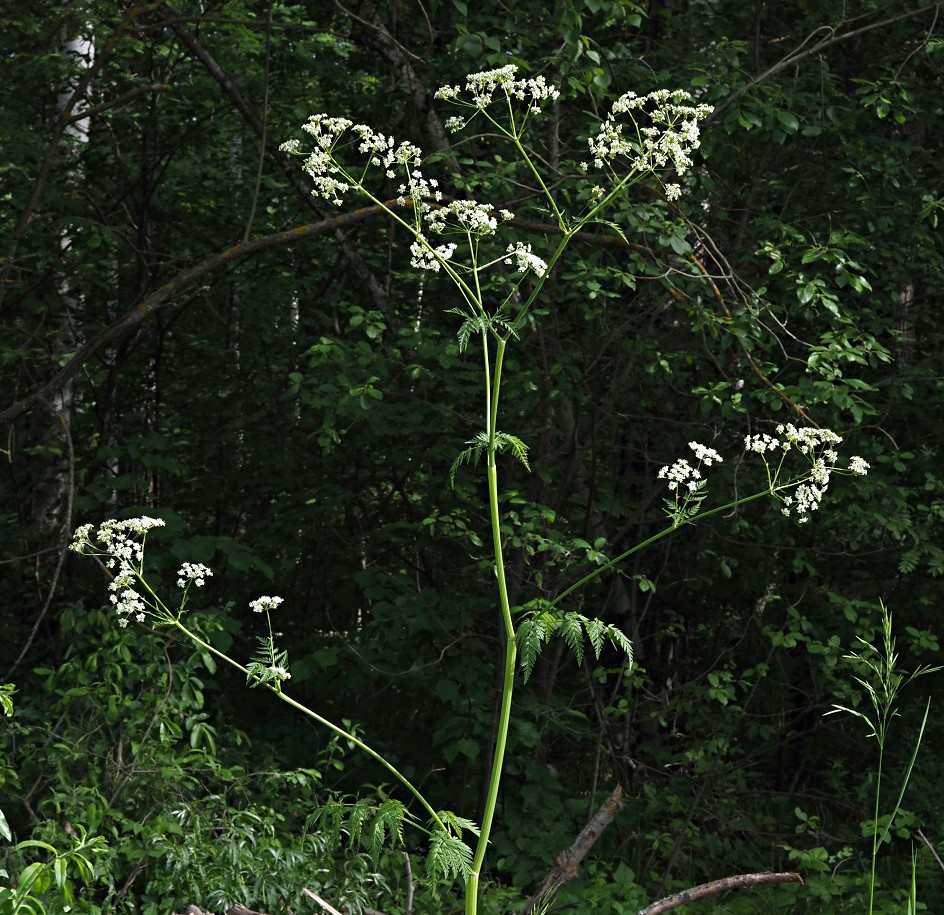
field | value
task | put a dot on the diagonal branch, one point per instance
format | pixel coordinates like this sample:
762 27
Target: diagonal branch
715 887
167 293
565 867
286 162
802 52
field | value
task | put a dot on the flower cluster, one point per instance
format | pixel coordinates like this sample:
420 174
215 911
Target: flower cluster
332 182
466 216
332 179
426 257
320 163
818 446
668 141
264 604
483 86
122 543
686 483
115 539
682 474
193 573
858 466
526 260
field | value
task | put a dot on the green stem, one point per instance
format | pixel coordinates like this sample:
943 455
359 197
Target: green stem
511 650
878 795
330 725
664 533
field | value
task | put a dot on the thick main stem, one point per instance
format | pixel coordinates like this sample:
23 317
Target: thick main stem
511 649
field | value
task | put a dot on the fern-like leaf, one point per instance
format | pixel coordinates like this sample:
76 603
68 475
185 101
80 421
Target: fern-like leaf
449 857
476 324
329 820
471 455
518 448
596 632
387 824
530 639
620 642
360 813
456 823
569 628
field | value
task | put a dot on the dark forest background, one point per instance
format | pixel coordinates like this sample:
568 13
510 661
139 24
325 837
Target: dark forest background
289 400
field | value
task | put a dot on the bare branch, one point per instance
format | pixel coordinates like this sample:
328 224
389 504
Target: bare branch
802 52
330 909
739 882
565 867
286 162
168 292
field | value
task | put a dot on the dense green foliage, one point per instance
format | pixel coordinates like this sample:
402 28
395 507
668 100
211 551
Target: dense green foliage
292 412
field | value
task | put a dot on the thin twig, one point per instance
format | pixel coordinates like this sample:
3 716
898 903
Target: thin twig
65 538
931 848
795 56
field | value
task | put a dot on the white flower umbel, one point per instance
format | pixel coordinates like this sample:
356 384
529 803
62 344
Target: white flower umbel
858 466
268 664
667 141
120 544
526 260
686 483
466 216
332 179
193 573
801 495
483 86
264 604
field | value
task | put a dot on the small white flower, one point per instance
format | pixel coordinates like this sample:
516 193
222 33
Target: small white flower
681 472
193 572
264 603
761 443
672 192
668 145
280 673
705 455
858 466
525 259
